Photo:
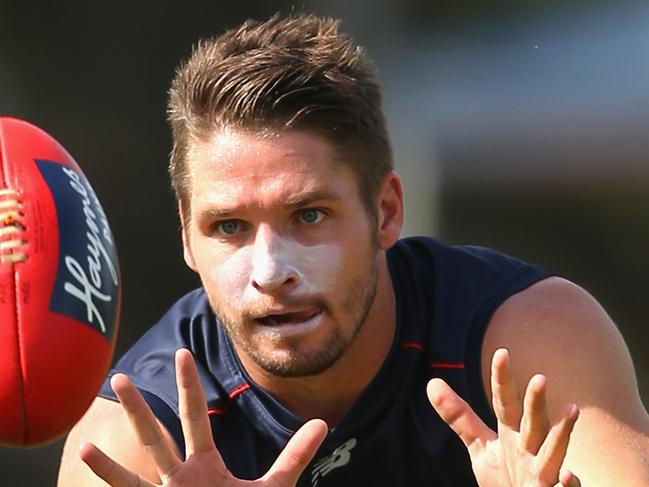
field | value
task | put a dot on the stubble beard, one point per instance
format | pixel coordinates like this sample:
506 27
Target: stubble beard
358 301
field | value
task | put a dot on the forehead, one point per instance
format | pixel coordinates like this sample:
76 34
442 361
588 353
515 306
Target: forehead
228 149
235 165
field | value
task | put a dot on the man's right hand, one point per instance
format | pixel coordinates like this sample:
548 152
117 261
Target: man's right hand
203 466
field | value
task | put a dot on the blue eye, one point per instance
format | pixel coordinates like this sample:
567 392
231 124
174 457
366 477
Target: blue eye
311 216
229 227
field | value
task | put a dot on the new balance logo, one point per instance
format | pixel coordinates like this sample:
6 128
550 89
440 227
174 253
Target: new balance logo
339 458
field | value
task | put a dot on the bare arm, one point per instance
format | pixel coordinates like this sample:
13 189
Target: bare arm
557 329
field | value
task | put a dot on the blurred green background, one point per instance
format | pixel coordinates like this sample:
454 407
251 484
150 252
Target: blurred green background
517 125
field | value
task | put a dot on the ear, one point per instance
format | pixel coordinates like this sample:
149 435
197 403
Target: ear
390 214
187 251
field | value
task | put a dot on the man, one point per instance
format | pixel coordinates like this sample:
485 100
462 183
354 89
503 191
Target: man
311 307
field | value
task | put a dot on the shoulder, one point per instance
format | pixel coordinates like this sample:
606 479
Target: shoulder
460 286
454 262
189 314
557 328
106 426
451 292
553 307
149 362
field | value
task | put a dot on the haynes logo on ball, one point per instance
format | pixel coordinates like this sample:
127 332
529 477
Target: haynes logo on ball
87 268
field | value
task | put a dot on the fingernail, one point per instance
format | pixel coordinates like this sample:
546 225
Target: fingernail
572 409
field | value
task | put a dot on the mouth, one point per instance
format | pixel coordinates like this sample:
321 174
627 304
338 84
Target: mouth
287 318
293 323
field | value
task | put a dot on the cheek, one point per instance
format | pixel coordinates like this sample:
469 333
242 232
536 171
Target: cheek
321 266
225 277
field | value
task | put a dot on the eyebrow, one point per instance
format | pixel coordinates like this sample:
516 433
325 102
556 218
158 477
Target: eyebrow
295 201
214 213
308 197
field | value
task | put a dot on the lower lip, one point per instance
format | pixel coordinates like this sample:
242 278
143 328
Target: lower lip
291 329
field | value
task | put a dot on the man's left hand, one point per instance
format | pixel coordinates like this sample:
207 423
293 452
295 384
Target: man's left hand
527 450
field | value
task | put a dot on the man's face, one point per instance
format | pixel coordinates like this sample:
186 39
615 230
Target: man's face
283 245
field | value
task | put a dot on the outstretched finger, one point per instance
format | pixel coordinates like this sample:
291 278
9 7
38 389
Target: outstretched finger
144 424
504 395
458 415
553 451
535 422
568 479
297 453
109 470
192 405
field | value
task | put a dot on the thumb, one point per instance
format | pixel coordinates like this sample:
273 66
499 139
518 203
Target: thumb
297 453
458 414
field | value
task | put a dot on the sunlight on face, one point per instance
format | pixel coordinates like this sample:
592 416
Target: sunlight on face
283 245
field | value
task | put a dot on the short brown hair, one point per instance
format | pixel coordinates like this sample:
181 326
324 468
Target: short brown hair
294 72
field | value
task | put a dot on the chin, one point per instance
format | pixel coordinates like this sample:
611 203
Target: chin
291 364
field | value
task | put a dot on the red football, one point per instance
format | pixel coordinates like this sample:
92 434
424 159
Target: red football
59 288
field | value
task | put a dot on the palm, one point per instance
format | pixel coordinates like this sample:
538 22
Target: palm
491 469
203 466
526 451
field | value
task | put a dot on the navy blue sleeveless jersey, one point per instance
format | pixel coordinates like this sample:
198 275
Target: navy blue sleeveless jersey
392 436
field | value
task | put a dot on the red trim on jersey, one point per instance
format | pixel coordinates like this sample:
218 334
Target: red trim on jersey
217 411
447 365
238 390
233 393
415 345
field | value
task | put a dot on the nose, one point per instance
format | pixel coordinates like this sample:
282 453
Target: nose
272 269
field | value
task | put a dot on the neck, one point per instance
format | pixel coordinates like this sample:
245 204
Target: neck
331 394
